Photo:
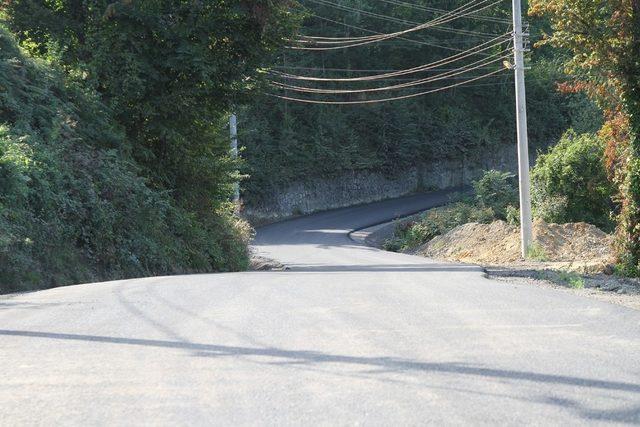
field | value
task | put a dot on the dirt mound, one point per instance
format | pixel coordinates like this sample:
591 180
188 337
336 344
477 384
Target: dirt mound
579 244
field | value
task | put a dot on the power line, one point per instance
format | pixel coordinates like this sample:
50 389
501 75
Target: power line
344 24
359 41
468 9
422 42
453 58
436 10
354 70
467 68
395 98
454 13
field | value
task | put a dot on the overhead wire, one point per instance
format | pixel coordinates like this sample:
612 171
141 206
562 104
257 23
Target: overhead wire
350 70
465 69
498 41
395 98
464 73
344 24
360 41
485 18
421 42
454 14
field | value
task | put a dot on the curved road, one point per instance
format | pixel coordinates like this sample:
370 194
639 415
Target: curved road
349 335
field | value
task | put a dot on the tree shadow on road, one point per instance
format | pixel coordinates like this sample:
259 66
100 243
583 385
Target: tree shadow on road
215 350
381 365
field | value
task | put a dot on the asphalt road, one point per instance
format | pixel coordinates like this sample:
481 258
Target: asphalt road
350 335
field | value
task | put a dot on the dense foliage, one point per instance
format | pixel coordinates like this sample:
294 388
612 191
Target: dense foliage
168 69
73 207
570 182
604 41
286 141
110 160
497 191
495 197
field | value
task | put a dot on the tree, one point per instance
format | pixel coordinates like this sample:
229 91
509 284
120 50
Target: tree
288 142
604 40
168 69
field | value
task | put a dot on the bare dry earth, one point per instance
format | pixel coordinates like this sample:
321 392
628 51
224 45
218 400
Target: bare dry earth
579 248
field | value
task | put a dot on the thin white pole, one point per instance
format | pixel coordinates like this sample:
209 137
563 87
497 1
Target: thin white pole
526 222
233 130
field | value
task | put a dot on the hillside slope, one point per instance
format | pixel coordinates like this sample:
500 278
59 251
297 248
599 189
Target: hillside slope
73 207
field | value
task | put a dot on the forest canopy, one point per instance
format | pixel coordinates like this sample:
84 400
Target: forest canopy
288 142
110 160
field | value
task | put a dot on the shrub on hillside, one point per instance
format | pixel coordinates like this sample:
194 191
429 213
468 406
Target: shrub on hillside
73 207
495 197
570 182
409 235
496 190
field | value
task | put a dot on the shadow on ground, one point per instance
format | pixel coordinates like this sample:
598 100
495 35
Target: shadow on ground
629 415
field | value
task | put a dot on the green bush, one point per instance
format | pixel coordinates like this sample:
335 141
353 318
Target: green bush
513 215
570 182
409 235
496 197
73 207
496 190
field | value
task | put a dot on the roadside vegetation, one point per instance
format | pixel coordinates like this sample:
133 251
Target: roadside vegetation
572 194
114 158
74 206
603 41
569 185
288 142
589 176
111 165
495 197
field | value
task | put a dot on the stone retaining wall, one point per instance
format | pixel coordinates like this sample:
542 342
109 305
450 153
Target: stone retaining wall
359 187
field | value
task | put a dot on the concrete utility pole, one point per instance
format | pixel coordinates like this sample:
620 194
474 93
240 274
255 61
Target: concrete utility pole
233 130
526 222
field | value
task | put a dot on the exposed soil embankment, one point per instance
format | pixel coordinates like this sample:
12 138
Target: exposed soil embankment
574 257
577 247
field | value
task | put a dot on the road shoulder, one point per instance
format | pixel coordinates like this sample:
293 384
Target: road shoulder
608 288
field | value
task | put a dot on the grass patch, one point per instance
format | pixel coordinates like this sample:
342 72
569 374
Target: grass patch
565 278
571 279
536 252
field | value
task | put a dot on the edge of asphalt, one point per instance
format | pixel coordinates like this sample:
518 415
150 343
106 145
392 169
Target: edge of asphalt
361 234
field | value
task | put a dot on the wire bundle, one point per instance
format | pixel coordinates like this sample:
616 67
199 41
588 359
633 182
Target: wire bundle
335 43
494 52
